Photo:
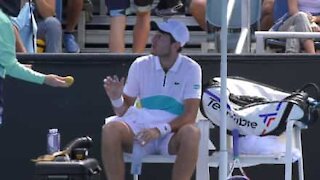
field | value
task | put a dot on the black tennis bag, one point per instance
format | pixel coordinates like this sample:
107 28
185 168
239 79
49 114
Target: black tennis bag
258 109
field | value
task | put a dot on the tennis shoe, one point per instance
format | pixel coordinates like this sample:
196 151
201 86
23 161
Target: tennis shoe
70 44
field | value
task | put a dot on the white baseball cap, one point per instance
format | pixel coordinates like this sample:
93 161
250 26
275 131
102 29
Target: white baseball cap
177 29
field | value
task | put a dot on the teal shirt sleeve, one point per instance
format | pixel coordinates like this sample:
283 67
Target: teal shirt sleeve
8 62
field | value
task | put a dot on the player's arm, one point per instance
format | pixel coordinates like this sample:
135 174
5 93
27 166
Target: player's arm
191 102
188 116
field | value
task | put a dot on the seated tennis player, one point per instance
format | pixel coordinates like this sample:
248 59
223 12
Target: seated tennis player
168 86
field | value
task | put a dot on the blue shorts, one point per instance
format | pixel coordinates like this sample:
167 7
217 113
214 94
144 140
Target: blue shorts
122 7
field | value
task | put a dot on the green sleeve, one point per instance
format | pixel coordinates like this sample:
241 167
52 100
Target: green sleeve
19 71
8 62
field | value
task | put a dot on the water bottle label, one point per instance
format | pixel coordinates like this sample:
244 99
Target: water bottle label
53 142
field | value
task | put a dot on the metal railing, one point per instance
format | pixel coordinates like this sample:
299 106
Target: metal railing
262 35
244 41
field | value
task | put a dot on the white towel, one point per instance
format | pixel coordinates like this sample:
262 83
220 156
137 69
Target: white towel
265 145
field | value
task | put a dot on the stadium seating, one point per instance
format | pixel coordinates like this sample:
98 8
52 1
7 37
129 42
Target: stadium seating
93 35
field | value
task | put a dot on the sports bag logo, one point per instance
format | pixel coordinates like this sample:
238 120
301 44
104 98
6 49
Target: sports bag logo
269 118
215 105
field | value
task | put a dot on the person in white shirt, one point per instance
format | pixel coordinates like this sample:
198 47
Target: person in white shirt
168 85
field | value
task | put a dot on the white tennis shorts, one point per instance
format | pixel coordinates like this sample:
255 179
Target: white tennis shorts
139 119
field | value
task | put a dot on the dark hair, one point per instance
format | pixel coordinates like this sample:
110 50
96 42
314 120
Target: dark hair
172 40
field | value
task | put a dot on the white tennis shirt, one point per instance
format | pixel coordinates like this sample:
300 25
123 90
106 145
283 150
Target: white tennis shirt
158 90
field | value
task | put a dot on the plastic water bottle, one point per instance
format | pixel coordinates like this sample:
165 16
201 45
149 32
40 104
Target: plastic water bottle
53 141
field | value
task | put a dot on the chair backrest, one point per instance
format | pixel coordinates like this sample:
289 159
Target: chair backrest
214 13
280 7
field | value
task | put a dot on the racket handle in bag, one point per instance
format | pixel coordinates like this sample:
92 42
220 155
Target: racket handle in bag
235 135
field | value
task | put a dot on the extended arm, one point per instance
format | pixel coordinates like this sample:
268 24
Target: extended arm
9 64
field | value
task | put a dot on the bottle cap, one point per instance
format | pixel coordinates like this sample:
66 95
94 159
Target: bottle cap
53 130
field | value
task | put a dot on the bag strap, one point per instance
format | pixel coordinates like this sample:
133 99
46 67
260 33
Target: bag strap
31 25
311 85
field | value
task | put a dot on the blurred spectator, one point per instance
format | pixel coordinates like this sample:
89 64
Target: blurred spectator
118 11
267 14
197 8
49 27
19 43
12 9
25 28
73 11
168 7
302 16
37 21
280 7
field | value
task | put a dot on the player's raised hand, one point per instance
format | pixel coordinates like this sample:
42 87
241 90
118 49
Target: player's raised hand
113 86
